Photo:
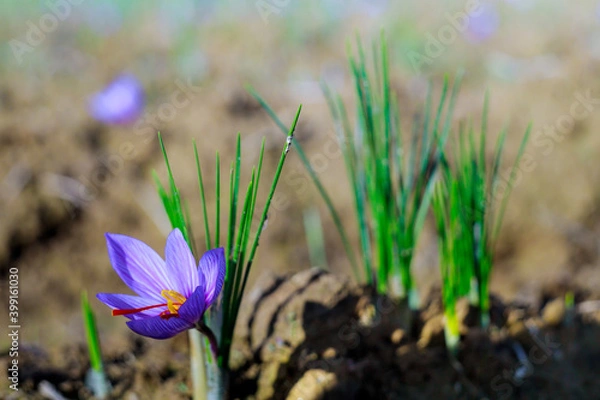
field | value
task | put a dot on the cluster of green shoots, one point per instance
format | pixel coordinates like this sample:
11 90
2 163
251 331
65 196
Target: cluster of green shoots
469 205
396 178
392 182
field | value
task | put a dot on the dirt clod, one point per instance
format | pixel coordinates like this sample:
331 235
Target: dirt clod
313 385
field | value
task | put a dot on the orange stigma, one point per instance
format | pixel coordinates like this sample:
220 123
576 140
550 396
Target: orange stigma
174 301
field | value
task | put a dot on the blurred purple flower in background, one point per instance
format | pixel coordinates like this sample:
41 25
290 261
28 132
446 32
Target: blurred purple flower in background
483 24
372 8
119 103
173 294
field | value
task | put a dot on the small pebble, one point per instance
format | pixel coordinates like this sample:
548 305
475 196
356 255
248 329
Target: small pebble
367 315
329 353
397 336
554 312
432 333
402 350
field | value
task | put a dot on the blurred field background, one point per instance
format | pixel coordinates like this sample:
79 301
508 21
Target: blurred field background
65 179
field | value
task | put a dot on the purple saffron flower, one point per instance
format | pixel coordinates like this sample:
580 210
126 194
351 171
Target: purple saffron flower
172 295
483 23
119 103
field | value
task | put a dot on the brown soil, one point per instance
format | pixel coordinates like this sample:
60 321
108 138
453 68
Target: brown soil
313 335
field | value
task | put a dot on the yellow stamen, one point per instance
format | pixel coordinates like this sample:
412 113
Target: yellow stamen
174 300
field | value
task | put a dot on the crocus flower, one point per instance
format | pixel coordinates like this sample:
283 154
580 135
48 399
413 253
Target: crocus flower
119 103
483 24
172 295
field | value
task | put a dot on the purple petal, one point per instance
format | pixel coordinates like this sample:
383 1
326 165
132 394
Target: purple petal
120 103
194 307
158 327
138 266
483 23
181 264
212 266
126 302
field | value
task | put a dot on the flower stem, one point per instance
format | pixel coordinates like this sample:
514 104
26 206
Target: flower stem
208 379
198 366
212 339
